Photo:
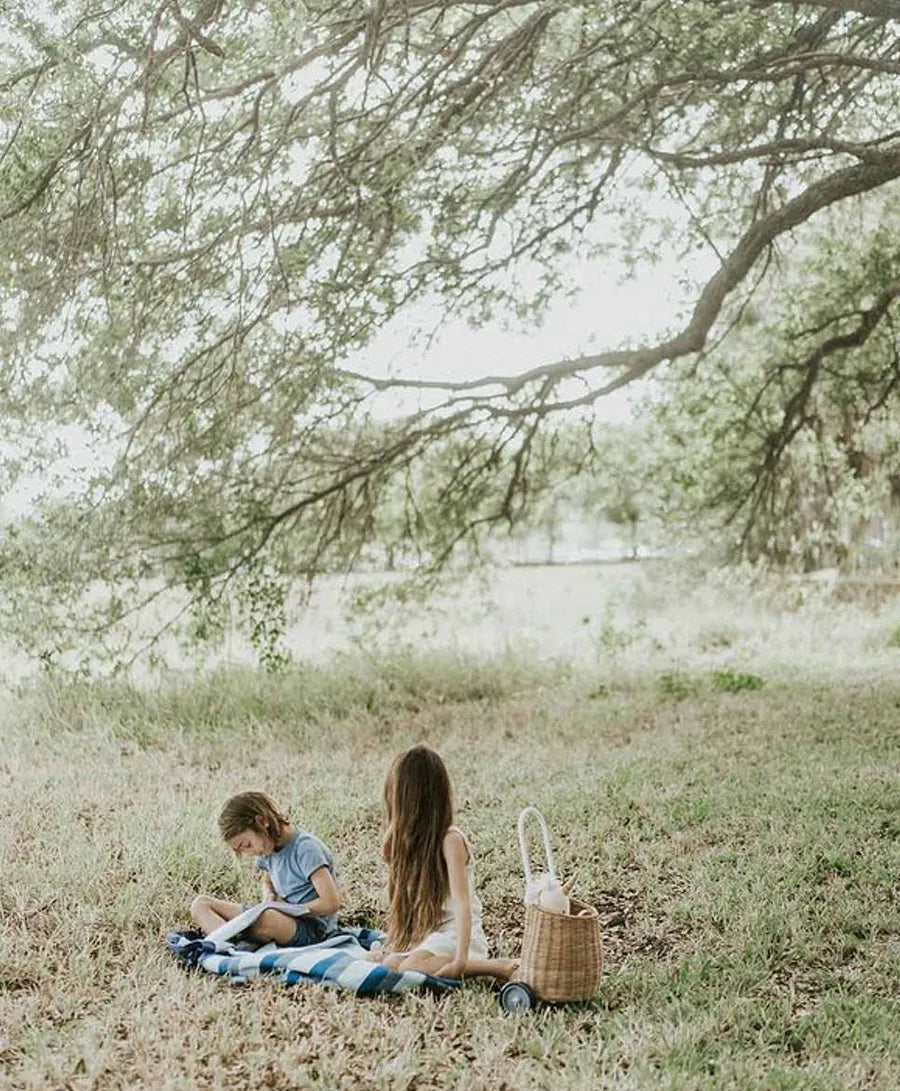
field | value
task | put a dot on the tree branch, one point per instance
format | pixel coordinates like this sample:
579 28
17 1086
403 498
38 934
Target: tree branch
881 167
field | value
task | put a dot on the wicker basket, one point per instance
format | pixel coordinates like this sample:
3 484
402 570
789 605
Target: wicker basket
562 954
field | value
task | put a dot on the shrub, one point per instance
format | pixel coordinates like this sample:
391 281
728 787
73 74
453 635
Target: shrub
735 681
677 685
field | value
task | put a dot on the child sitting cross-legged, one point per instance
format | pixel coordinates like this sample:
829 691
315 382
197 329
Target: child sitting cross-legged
296 867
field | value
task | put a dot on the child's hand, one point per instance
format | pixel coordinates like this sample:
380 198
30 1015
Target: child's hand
454 968
268 890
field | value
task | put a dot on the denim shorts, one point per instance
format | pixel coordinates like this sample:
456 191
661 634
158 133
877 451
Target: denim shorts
309 930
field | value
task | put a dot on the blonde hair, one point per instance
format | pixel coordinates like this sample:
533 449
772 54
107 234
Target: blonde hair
418 803
251 811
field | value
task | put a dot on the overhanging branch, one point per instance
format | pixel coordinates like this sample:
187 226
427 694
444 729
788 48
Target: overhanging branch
882 166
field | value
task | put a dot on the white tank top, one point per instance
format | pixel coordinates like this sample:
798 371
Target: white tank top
447 916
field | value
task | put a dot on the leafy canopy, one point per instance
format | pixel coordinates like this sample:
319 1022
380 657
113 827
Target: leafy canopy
206 208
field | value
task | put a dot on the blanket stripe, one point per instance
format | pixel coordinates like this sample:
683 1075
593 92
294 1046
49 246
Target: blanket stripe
338 961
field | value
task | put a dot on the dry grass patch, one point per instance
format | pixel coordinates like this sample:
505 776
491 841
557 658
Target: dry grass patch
741 848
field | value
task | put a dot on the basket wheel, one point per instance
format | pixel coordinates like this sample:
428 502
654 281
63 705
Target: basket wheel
516 996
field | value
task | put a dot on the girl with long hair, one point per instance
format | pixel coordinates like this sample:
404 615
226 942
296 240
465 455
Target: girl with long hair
434 916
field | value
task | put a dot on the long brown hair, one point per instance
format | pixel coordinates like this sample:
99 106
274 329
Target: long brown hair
251 811
418 804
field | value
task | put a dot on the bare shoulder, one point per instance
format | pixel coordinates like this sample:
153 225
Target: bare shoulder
455 845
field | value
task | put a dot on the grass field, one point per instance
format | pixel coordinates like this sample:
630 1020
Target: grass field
740 840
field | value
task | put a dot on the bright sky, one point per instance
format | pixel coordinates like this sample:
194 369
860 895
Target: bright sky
604 315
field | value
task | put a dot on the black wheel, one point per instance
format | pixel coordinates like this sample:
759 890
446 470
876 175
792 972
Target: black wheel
516 996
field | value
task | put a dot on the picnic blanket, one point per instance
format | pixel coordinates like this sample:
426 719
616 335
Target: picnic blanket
337 961
233 928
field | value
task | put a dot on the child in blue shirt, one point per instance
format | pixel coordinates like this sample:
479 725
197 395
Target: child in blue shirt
296 867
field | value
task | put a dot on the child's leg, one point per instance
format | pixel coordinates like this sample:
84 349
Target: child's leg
279 927
405 960
211 913
500 968
420 959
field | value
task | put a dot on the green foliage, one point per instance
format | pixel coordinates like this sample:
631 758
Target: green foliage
262 600
783 454
677 686
206 213
735 681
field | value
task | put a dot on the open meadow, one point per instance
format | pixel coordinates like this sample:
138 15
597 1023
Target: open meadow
346 353
719 766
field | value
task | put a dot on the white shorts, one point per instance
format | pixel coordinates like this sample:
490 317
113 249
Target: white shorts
443 942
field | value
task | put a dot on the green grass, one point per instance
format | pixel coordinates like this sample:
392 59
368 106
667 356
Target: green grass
742 844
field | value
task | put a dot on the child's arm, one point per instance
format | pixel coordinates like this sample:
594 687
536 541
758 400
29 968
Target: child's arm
269 893
457 854
328 899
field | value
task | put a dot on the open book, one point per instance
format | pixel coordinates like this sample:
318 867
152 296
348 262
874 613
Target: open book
237 924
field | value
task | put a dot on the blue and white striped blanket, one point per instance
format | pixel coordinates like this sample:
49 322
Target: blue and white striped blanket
338 961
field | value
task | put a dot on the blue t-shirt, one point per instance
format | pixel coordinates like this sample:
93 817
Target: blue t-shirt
291 866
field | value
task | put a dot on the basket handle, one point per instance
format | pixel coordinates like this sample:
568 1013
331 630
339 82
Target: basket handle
523 845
